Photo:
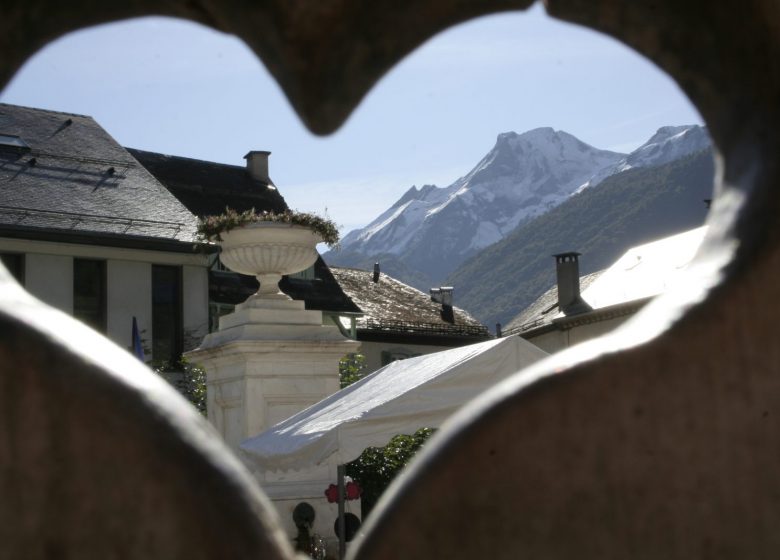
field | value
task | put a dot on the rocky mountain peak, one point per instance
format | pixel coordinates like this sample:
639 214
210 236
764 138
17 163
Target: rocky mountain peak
667 144
522 176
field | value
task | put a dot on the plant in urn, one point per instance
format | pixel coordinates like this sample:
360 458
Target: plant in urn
268 245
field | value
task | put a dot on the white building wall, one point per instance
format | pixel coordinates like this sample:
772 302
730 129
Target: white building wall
373 352
129 295
50 279
557 340
195 293
593 330
48 276
550 342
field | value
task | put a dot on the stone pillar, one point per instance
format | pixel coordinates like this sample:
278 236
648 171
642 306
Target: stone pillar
270 359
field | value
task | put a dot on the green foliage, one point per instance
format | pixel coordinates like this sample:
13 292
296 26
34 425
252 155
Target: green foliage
352 367
188 379
627 209
376 467
210 227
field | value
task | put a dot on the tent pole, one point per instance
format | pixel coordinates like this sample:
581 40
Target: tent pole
340 472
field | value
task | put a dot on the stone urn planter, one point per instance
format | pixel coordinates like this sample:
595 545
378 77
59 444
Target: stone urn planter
269 250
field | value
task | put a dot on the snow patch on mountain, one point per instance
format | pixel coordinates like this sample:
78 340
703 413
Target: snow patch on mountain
667 144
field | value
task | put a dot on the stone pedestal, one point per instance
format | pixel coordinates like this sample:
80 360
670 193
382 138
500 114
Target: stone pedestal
270 359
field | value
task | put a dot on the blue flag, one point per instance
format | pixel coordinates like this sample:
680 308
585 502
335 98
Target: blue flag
138 349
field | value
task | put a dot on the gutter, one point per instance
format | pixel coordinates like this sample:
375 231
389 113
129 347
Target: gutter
588 318
106 239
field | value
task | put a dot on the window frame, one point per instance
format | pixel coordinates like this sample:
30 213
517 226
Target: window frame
101 324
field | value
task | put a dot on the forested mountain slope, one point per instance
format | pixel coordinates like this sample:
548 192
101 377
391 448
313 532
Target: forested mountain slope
626 209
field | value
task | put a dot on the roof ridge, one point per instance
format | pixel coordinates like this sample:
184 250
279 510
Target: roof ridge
231 165
40 110
350 268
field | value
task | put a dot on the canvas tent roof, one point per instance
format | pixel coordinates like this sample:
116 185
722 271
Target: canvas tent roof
398 398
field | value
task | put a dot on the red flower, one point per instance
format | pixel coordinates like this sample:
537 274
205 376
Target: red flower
353 490
332 493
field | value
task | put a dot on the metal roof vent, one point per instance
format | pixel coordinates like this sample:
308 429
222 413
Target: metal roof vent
443 295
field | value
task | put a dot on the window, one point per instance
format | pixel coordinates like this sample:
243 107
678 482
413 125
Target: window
307 274
389 356
14 143
89 293
14 263
167 336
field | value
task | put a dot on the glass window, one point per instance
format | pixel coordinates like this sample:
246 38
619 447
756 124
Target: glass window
89 292
13 142
14 263
167 338
307 274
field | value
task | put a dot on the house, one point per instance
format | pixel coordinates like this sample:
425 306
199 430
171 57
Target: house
87 229
107 233
579 308
399 321
207 188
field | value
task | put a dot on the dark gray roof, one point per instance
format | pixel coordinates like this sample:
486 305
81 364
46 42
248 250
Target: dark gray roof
544 309
321 293
392 305
76 179
206 188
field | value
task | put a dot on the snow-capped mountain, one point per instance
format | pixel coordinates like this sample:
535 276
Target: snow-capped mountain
429 231
434 229
668 144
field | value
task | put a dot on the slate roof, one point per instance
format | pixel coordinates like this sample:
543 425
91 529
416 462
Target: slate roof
392 306
544 309
206 188
76 182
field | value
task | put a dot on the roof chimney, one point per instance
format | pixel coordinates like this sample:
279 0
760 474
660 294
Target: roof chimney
257 165
567 268
443 295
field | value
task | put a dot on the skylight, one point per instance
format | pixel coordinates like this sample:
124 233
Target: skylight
8 141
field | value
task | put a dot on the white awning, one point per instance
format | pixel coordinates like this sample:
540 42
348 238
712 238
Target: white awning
396 399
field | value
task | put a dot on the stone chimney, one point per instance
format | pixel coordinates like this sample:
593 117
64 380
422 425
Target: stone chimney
257 165
567 268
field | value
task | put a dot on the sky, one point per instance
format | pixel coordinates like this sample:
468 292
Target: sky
179 88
